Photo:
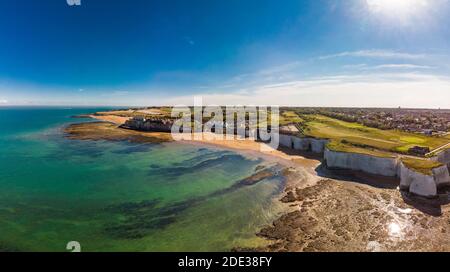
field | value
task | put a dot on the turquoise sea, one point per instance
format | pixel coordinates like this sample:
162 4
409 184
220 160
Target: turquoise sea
122 196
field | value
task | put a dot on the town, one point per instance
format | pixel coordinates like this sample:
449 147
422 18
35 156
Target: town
424 121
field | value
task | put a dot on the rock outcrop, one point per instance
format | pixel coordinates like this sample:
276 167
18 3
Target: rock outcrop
418 183
150 124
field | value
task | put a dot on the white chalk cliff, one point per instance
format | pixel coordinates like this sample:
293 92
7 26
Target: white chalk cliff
303 144
361 162
417 183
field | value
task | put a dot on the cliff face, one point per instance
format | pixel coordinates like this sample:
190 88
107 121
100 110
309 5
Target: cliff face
443 157
318 146
415 182
361 162
149 125
441 176
286 141
442 173
303 144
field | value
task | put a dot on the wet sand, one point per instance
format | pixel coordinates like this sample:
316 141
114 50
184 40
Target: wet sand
324 212
118 120
111 132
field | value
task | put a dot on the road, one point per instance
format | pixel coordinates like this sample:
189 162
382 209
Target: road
438 149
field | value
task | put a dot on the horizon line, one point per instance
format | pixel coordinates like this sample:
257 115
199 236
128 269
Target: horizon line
160 106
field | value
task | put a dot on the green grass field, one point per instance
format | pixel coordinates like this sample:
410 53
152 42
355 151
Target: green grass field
341 147
421 165
357 138
289 117
358 135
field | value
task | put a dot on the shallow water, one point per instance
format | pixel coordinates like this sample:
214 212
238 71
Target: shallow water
121 196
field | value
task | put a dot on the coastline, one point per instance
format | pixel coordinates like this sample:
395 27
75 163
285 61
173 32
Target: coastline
300 171
333 214
243 146
118 120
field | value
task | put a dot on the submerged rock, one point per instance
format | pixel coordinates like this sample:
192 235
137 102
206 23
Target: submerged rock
110 132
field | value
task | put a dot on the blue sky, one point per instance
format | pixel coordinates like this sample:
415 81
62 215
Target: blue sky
294 52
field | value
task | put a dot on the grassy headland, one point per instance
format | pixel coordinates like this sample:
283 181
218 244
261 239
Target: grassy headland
357 138
358 135
421 165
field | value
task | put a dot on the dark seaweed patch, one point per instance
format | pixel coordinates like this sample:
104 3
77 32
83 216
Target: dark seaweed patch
131 207
177 168
7 248
140 148
199 157
137 228
89 151
203 156
270 173
143 217
223 161
67 151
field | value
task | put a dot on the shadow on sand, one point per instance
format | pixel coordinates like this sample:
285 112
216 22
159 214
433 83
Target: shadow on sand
377 181
428 206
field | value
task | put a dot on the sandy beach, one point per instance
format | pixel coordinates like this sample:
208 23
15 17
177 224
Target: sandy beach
240 145
118 120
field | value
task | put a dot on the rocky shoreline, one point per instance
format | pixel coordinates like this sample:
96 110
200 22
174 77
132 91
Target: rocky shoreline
339 216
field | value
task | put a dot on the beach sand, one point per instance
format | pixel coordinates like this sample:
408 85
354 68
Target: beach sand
118 120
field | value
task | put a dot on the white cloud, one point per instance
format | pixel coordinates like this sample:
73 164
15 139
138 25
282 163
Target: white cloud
375 90
3 101
385 54
405 89
355 66
402 66
387 66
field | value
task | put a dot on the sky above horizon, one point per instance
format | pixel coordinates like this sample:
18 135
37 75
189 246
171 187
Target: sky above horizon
354 53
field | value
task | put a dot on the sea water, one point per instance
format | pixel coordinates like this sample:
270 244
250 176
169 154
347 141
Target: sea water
123 196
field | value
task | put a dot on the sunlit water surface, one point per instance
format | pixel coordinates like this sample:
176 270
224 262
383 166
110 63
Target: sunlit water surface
121 196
